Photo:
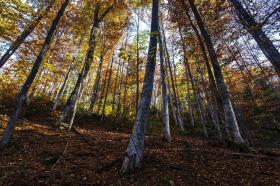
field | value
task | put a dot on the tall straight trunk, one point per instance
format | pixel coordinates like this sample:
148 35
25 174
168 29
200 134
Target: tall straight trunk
231 124
178 110
107 86
137 64
115 86
124 110
189 101
170 98
23 93
134 154
96 83
104 82
26 32
255 29
165 111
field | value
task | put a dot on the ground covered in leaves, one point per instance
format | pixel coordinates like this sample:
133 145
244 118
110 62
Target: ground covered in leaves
91 155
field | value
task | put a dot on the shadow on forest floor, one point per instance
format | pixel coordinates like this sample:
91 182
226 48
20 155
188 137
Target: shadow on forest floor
42 155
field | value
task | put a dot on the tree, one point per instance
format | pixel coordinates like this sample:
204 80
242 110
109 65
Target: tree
134 154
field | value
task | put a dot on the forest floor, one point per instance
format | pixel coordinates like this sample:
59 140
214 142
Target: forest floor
42 155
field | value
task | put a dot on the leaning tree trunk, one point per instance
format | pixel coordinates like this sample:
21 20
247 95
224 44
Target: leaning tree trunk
165 111
133 157
22 96
26 32
255 29
230 118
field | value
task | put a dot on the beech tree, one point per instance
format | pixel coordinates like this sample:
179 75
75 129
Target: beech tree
135 151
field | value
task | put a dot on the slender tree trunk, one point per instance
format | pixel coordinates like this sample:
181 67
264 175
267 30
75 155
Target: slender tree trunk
107 87
165 111
189 102
137 65
115 86
178 110
255 29
22 96
96 83
230 118
135 151
170 100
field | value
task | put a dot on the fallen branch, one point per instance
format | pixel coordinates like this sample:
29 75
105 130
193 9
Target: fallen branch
67 144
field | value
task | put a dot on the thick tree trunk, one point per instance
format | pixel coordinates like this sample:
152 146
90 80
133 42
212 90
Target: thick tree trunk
230 118
255 29
22 96
135 151
165 111
26 32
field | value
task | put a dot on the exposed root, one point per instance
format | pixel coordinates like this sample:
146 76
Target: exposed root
130 163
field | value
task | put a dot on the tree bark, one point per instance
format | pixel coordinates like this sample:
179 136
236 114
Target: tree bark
165 111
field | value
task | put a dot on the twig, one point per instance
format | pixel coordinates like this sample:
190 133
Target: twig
67 144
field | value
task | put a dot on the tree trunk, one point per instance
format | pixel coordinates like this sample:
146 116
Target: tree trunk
26 32
135 151
230 118
165 111
178 110
107 87
96 83
137 64
255 29
22 96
